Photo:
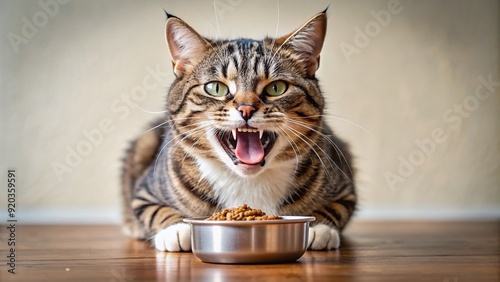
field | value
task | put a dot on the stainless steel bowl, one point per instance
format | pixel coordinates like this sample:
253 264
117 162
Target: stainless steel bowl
260 241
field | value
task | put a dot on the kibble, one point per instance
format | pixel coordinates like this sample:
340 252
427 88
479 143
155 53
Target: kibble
242 213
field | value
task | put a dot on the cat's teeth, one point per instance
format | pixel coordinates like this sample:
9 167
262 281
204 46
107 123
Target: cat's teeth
244 129
261 133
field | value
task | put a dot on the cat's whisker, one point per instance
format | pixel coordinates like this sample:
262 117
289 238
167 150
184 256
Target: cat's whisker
307 125
151 112
299 135
216 18
276 31
309 117
158 157
170 121
293 145
189 125
157 126
353 123
330 160
190 147
176 143
277 20
328 139
171 147
338 117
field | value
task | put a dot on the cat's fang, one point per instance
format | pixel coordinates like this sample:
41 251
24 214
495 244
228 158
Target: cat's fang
243 147
234 133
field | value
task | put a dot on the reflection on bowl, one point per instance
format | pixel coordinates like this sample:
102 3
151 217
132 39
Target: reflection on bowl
264 241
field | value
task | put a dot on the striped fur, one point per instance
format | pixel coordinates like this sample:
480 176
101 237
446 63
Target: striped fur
181 169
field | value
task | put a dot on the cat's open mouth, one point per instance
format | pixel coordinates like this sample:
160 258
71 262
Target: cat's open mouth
247 145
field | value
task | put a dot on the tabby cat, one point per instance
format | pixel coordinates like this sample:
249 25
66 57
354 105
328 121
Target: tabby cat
244 124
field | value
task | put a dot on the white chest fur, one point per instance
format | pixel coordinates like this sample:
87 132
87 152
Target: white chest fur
265 191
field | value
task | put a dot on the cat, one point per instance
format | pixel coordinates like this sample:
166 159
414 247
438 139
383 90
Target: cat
244 125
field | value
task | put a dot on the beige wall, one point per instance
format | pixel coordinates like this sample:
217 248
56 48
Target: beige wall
403 82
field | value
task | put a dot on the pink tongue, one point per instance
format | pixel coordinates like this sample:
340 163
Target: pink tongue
248 147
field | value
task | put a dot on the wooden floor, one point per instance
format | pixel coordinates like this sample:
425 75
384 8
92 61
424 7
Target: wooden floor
371 251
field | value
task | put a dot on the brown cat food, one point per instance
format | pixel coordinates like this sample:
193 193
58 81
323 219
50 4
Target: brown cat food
243 212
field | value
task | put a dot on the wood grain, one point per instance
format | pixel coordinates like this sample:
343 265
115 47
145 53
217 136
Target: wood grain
371 251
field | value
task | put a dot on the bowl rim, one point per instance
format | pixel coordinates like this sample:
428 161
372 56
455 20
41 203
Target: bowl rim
286 219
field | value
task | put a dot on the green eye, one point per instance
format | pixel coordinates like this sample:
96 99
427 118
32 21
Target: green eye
216 89
276 88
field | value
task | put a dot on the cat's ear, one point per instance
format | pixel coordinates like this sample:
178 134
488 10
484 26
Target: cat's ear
185 44
308 41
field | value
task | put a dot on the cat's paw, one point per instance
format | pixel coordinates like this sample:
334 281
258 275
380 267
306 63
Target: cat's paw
323 237
175 238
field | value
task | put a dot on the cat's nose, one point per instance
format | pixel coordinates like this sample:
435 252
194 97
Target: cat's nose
246 111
